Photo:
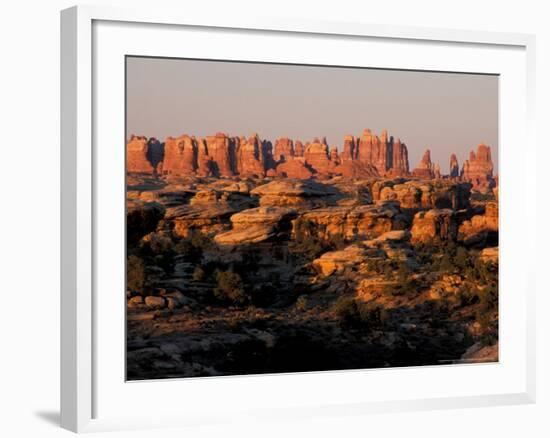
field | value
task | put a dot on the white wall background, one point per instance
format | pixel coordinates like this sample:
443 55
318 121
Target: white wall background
29 215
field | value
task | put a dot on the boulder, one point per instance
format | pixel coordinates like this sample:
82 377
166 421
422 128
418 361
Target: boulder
481 229
294 193
206 218
336 261
153 302
364 221
434 226
258 225
134 302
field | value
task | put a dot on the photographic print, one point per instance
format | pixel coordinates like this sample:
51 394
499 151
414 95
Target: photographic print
297 218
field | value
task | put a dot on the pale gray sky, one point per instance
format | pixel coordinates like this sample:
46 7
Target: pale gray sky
441 111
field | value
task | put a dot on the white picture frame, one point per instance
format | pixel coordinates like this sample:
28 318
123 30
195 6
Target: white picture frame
83 174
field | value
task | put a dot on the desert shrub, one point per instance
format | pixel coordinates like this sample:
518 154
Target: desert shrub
230 288
157 243
466 295
488 297
135 274
372 316
194 245
307 239
301 303
347 312
482 197
352 314
462 258
200 240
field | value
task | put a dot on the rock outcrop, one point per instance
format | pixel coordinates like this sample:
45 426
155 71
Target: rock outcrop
478 169
249 158
221 149
316 156
294 168
433 226
454 170
424 170
258 225
138 155
180 156
423 195
294 193
365 221
481 229
284 149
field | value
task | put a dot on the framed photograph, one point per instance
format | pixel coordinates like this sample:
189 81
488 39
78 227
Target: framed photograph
267 218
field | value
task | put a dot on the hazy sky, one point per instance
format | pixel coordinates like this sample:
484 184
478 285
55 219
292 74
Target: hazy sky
441 111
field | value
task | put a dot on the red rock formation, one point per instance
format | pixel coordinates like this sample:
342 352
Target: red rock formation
298 149
294 168
180 156
349 148
284 149
355 169
478 169
373 151
334 155
249 158
316 156
219 149
424 169
400 159
454 171
204 161
137 151
437 171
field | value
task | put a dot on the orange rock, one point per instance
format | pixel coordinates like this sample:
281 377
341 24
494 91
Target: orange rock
180 156
137 155
478 169
294 168
249 158
284 149
424 169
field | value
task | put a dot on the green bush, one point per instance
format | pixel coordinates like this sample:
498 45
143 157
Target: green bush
346 311
352 314
230 288
135 274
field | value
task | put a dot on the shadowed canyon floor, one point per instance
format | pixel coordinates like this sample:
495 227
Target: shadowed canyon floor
234 275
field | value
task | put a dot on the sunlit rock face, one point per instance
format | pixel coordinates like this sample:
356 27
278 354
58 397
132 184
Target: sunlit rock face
478 169
424 169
